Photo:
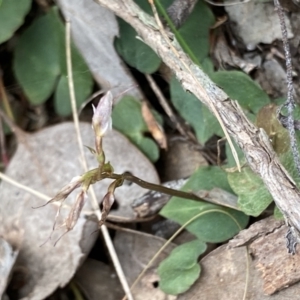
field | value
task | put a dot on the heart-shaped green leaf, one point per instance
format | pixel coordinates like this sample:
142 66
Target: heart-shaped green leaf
40 64
214 223
181 268
135 52
193 111
197 37
253 196
239 86
12 15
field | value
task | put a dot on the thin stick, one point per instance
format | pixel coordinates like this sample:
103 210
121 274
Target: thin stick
24 187
289 103
211 105
227 3
95 205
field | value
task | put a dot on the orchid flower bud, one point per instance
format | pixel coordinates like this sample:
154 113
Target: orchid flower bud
101 120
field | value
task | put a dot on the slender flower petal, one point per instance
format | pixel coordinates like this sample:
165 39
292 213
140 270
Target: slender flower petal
101 120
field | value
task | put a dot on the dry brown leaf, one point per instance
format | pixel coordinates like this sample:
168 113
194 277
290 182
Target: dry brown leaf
98 281
135 250
226 56
94 29
224 271
155 129
46 161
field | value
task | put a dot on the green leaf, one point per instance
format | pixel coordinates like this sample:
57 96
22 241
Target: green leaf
215 223
181 268
37 61
278 214
12 15
193 39
207 66
40 64
231 163
83 84
194 112
195 36
253 196
127 118
239 86
135 52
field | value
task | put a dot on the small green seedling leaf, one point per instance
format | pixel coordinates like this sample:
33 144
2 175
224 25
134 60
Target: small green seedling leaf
40 64
239 86
127 118
253 196
194 112
12 15
215 223
181 269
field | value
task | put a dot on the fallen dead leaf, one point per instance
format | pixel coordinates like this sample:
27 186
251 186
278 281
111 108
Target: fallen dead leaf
155 129
98 281
226 56
10 242
46 161
94 29
135 250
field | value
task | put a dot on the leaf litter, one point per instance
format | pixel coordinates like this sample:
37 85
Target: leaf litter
218 255
44 161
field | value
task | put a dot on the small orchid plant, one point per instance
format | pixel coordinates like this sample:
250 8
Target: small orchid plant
101 124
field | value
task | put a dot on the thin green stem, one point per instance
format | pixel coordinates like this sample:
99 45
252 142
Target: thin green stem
151 186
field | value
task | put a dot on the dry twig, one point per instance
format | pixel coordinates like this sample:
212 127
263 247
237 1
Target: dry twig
253 141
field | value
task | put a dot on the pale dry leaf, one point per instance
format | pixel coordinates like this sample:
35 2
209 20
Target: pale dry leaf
98 281
46 161
226 56
10 242
135 250
94 29
256 22
224 270
154 127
